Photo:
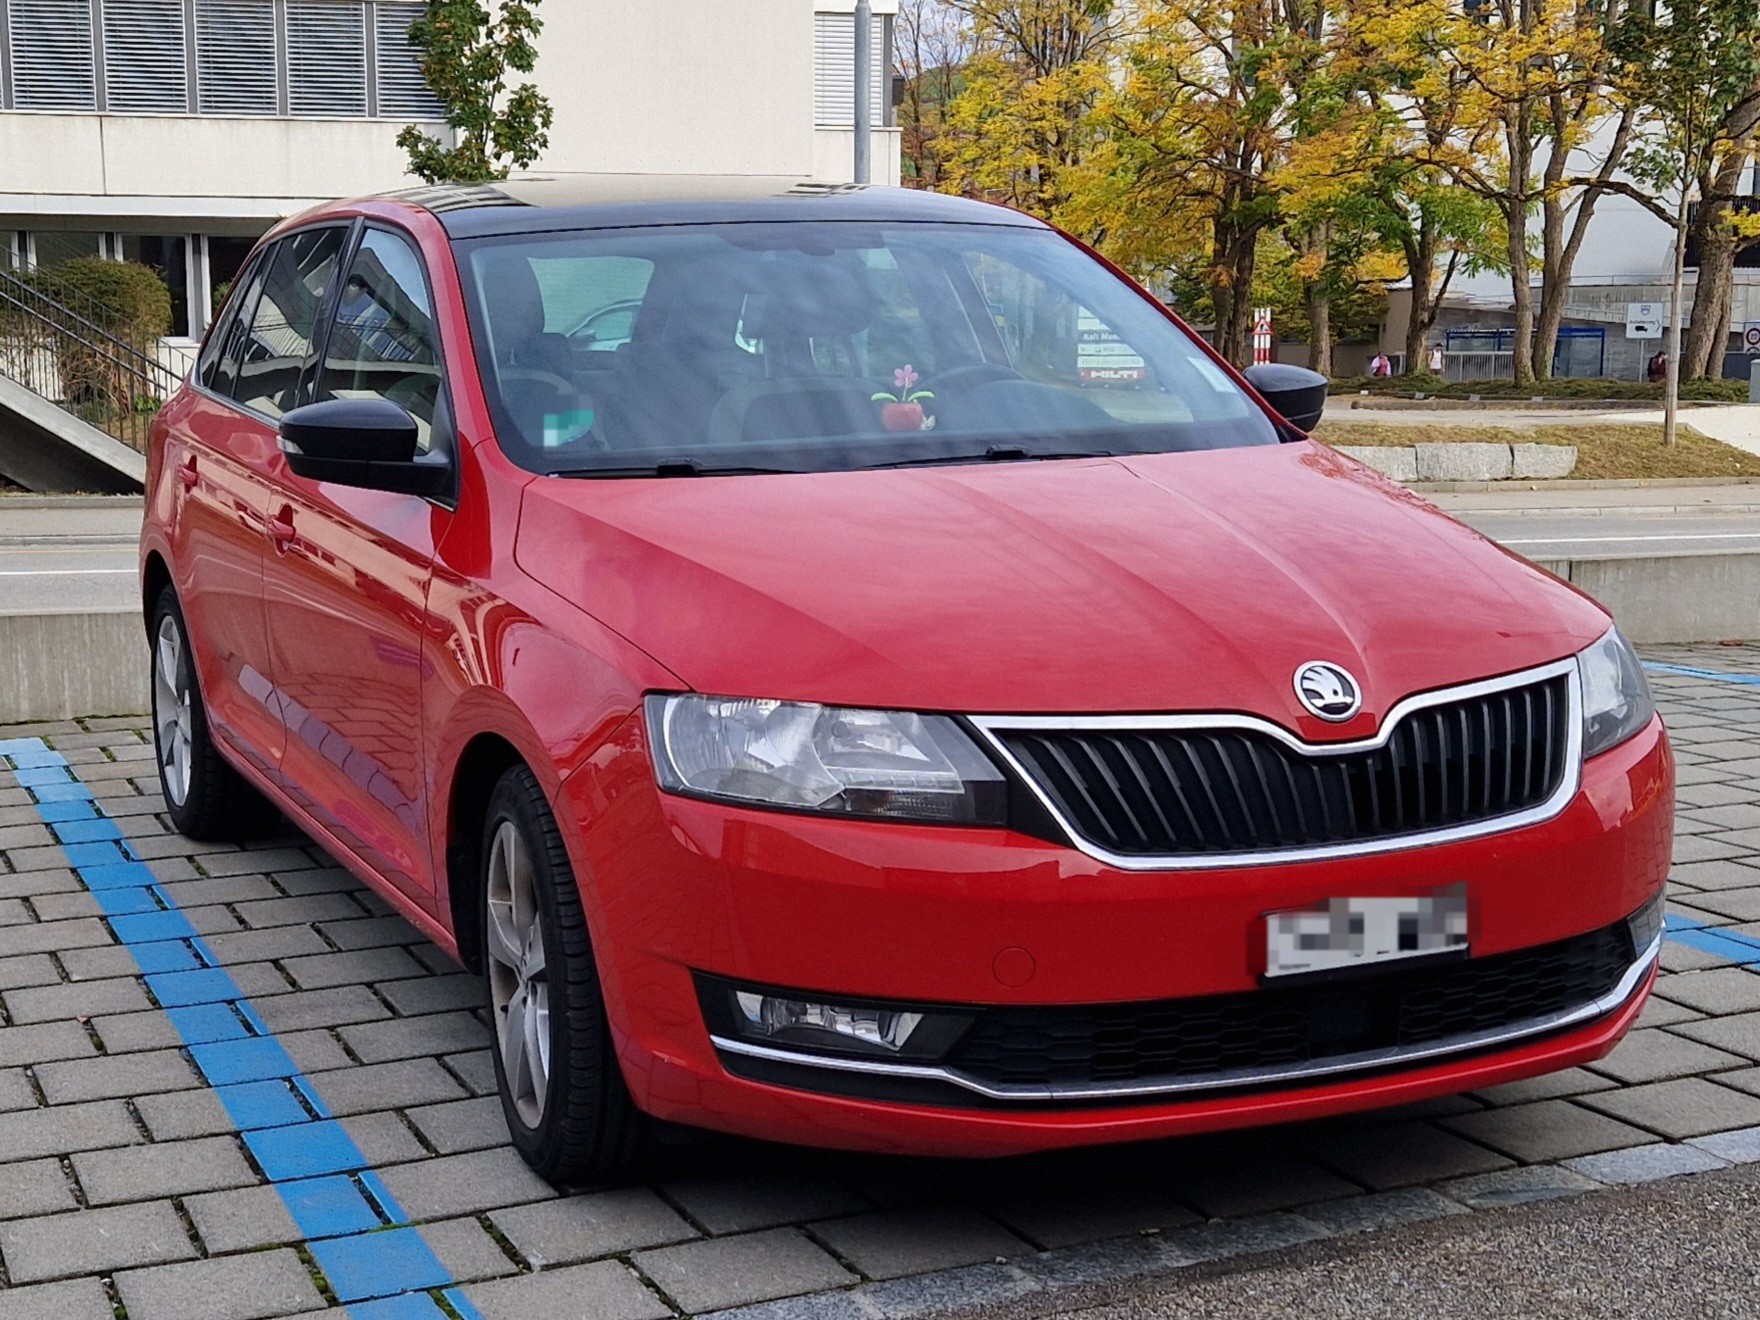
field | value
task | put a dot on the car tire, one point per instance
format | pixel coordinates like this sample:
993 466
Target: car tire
568 1110
204 796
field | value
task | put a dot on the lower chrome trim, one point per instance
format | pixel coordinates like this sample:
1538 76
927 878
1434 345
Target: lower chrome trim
1301 1073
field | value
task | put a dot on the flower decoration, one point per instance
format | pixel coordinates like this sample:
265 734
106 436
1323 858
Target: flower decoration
902 380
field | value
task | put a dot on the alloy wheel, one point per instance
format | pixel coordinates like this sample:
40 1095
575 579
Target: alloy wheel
172 697
519 986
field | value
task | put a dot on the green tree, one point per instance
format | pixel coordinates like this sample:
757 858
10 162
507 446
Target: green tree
468 57
1694 68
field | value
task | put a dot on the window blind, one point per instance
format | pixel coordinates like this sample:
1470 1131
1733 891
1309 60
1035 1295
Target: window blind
144 57
235 57
834 70
327 58
52 57
403 93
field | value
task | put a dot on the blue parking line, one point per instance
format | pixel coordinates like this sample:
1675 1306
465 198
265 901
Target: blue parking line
1717 675
378 1264
1718 941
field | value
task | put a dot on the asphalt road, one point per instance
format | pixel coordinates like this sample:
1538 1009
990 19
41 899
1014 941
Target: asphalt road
1552 536
1684 1249
60 559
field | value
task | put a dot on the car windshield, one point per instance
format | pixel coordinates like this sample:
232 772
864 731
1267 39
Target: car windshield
817 346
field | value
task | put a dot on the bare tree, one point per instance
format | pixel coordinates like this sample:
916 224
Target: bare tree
931 44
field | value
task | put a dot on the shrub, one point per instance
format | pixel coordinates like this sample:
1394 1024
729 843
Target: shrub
126 298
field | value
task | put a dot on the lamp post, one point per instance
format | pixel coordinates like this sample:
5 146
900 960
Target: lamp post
864 91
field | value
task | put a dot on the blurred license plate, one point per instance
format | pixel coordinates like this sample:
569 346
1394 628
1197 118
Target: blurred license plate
1350 932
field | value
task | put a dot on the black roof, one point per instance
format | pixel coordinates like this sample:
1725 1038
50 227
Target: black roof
614 201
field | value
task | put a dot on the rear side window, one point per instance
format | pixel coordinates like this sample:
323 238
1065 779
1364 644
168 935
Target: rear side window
383 344
227 343
225 318
298 276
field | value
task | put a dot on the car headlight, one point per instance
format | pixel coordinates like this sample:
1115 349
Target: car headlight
1616 697
824 758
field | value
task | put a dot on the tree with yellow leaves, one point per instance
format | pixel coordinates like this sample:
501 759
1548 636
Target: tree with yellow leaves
1024 115
1535 126
1193 144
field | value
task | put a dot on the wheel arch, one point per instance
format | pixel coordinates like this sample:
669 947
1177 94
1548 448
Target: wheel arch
155 577
484 759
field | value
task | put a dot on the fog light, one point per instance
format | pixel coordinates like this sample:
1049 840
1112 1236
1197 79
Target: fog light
766 1015
790 1020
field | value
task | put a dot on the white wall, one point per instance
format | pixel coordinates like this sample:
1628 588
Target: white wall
679 86
125 164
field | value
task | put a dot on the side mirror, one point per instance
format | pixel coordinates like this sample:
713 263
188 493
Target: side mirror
369 443
1294 393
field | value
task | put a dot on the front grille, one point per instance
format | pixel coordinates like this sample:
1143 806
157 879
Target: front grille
1289 1025
1213 791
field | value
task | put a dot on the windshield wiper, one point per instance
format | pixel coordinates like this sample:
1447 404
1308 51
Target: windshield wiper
999 454
670 467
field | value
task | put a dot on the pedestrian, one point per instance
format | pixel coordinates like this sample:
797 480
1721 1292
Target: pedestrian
1657 371
1380 365
1436 359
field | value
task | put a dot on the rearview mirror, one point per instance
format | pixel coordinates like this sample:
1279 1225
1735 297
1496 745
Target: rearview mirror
369 443
1294 393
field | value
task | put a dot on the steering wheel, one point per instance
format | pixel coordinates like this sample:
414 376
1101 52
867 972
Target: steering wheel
537 374
974 374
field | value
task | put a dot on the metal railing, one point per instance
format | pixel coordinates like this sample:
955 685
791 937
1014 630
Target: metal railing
60 342
1459 366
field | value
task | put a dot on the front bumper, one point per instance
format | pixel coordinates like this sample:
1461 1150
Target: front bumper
985 917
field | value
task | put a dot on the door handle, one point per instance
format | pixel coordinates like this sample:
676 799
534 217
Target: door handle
186 472
281 529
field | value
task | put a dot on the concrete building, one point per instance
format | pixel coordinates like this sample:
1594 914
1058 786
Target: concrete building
176 131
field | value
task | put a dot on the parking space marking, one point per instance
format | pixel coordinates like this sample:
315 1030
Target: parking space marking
377 1264
1716 675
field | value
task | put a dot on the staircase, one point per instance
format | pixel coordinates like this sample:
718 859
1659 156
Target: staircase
77 399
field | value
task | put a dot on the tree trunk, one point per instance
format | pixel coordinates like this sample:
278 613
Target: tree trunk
1514 205
1231 290
1708 330
1421 269
1559 249
1317 299
1319 328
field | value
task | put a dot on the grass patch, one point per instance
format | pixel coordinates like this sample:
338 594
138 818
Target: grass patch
1574 387
1605 452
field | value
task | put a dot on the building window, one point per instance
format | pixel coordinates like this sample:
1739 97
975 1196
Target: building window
324 58
235 57
51 61
145 57
52 247
834 70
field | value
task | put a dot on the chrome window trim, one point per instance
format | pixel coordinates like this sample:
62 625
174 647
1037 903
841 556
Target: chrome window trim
1296 1074
991 726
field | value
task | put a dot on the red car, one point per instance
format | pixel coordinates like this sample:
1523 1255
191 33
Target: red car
902 692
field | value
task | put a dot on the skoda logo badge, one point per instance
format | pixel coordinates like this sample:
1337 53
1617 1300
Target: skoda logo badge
1329 691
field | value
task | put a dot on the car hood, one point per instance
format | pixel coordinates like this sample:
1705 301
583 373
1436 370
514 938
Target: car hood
1169 582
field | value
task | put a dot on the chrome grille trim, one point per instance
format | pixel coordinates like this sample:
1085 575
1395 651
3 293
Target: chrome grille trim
990 727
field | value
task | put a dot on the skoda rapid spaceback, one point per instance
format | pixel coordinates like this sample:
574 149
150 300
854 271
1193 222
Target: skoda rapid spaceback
846 666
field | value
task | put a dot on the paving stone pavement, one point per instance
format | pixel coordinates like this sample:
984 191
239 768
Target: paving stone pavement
127 1190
